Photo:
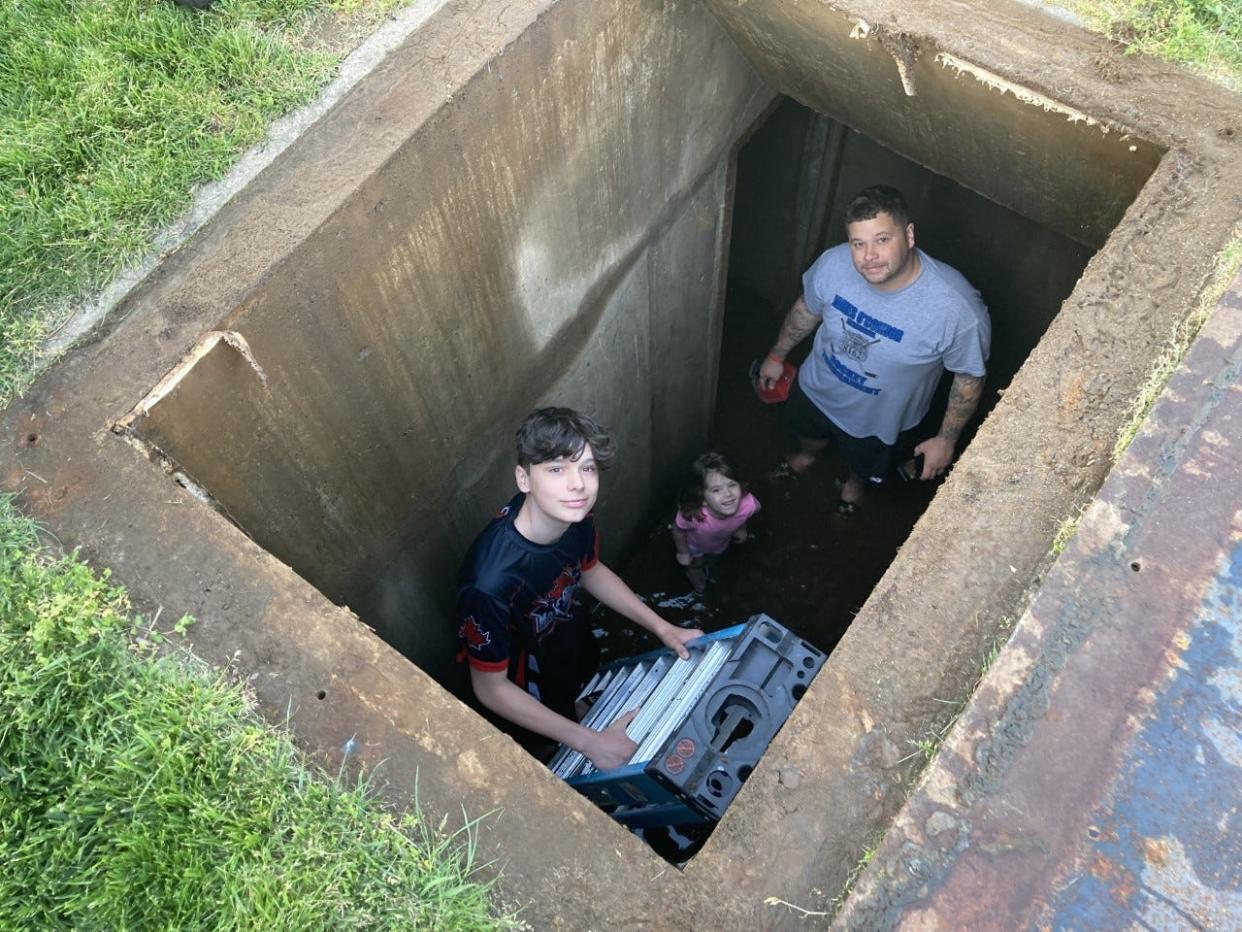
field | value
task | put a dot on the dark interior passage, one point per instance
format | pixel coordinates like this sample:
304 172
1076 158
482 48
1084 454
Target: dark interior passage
807 565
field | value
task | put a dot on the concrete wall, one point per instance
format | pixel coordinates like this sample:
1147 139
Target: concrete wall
769 190
553 235
1049 162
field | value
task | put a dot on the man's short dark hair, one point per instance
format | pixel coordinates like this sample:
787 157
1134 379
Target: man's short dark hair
878 199
550 433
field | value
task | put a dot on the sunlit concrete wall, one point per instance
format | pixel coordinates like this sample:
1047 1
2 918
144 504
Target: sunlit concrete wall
553 235
1062 168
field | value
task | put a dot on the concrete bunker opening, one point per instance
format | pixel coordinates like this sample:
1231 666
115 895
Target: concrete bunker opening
814 568
559 234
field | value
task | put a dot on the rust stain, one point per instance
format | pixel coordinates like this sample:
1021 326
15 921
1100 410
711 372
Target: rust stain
1071 396
1102 869
1124 889
1156 851
1116 878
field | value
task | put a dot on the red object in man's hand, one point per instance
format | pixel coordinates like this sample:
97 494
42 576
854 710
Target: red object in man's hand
780 388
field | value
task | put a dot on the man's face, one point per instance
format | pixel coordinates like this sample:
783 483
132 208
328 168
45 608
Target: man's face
564 489
881 251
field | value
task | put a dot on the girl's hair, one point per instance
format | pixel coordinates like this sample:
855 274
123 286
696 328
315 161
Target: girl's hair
690 496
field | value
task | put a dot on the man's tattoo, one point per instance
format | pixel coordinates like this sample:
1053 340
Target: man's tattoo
963 399
798 324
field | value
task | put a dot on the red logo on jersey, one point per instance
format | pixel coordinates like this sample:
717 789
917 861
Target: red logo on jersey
474 636
549 610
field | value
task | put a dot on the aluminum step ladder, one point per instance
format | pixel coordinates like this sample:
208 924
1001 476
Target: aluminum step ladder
702 725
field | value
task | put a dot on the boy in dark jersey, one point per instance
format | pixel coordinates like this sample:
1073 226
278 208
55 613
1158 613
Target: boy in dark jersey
529 648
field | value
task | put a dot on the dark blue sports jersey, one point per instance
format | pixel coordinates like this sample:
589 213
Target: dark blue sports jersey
516 611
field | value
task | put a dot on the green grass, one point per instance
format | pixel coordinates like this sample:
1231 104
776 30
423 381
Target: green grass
833 904
870 849
1203 35
1066 530
111 111
138 789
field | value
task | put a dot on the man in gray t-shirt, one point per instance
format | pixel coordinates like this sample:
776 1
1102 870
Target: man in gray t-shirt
887 319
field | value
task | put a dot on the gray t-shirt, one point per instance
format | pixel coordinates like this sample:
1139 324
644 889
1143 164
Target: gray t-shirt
878 355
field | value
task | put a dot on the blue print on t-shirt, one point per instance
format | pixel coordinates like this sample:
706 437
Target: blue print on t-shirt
861 320
848 375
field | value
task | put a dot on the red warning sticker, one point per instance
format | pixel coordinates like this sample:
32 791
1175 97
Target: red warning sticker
685 747
674 764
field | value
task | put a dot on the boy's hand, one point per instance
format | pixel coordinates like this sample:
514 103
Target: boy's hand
677 638
685 559
612 747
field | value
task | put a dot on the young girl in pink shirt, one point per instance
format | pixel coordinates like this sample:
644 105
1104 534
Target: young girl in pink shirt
712 510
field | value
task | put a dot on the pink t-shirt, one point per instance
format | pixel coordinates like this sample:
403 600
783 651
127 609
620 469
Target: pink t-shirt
710 534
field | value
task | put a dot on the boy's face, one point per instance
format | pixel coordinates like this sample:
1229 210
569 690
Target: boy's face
562 489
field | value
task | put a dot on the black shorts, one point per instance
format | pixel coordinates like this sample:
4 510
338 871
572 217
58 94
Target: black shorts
868 457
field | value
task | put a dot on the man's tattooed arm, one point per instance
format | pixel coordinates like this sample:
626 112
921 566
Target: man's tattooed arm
963 400
799 323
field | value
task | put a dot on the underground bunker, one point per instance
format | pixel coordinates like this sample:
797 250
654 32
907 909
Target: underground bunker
806 564
812 568
358 425
483 226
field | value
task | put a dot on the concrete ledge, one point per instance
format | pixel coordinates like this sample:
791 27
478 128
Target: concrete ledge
1093 781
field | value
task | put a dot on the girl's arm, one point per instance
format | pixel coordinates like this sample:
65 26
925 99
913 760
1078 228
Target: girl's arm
609 588
683 548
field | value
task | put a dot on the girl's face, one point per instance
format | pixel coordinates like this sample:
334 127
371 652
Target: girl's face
721 494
